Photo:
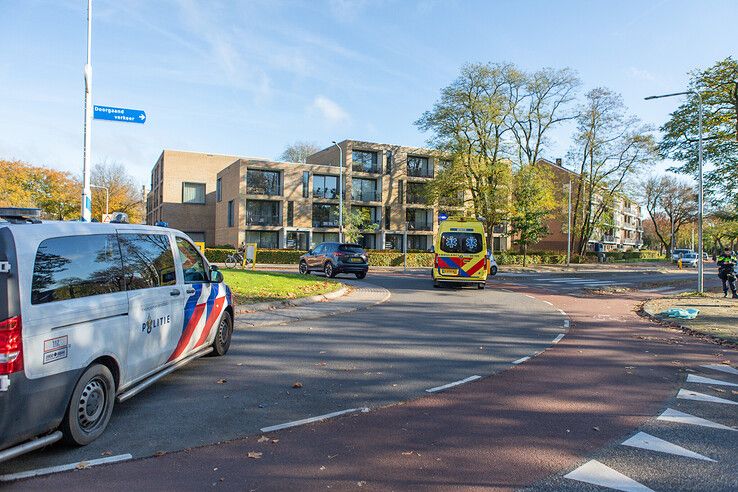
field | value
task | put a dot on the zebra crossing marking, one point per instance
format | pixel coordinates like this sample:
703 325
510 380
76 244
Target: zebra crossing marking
596 473
671 415
653 443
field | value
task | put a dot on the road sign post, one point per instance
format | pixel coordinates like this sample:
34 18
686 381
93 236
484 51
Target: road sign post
123 115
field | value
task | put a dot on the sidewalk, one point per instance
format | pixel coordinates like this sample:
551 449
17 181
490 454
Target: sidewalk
611 372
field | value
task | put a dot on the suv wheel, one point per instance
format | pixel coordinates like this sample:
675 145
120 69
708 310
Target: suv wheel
90 407
328 270
303 268
360 275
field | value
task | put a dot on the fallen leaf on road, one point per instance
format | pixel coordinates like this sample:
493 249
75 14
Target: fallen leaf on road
361 484
263 439
275 441
717 389
106 453
160 453
322 468
82 465
331 457
240 364
407 453
297 384
221 381
596 428
254 455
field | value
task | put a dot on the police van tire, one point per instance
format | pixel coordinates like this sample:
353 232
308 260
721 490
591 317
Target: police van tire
223 337
90 407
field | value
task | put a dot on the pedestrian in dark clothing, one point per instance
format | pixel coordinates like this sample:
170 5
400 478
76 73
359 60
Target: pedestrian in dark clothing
726 272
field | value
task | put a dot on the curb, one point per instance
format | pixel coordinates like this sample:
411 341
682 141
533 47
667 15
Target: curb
288 303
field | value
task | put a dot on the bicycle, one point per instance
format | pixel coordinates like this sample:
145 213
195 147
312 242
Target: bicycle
234 260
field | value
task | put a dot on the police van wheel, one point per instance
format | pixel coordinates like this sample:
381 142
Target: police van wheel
223 338
303 268
90 407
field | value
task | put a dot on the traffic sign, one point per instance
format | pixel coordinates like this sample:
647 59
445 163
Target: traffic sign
119 114
442 216
107 218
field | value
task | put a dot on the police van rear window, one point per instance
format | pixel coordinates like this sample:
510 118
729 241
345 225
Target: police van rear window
461 242
76 266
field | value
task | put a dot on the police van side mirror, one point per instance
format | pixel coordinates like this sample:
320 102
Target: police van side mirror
216 276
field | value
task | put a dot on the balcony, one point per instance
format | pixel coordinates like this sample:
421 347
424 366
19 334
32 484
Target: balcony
263 220
328 193
365 167
325 222
608 238
365 196
417 198
420 226
415 172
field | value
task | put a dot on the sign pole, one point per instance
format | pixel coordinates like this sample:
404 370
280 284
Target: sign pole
86 192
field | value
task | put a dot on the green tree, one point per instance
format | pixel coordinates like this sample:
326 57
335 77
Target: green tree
533 203
610 147
355 223
55 192
718 85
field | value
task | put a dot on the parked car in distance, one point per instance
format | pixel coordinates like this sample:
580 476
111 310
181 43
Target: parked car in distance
492 264
690 260
678 253
335 258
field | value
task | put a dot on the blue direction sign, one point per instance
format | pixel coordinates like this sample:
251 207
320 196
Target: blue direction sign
119 114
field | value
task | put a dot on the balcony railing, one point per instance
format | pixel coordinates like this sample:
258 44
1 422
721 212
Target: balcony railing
263 190
608 238
419 172
417 198
420 226
325 222
364 196
263 220
365 168
330 193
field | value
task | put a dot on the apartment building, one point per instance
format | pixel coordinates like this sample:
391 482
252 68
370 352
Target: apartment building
623 232
229 199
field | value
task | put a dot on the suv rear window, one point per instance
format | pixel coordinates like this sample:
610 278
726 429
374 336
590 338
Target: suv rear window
76 266
461 242
351 248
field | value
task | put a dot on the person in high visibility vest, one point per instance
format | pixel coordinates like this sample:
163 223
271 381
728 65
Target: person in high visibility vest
726 272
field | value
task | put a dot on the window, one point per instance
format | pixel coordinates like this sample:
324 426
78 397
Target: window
387 222
193 266
265 213
393 241
364 161
218 190
76 266
417 193
198 237
263 239
231 221
370 215
147 260
419 219
290 213
305 184
366 241
325 186
325 215
193 193
419 243
364 190
419 167
401 191
461 242
324 237
262 182
388 168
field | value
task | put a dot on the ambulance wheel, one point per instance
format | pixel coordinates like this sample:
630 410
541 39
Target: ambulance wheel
493 270
90 407
223 338
481 286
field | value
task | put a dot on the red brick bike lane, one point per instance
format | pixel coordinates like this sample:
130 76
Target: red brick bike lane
610 373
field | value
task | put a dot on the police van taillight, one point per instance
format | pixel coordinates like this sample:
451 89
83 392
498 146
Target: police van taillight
11 346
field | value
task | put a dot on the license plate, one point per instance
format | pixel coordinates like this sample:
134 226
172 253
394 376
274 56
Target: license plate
355 260
449 271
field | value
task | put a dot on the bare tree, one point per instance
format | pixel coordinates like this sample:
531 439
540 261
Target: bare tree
670 201
299 151
610 147
124 193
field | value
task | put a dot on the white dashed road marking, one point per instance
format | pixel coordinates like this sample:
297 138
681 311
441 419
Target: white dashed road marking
521 360
596 473
722 368
558 338
562 312
693 395
547 302
671 415
653 443
566 323
310 420
455 383
71 466
693 378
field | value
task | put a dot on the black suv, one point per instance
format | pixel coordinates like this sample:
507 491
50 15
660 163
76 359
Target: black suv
335 258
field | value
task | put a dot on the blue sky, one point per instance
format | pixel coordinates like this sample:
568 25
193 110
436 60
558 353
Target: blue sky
249 77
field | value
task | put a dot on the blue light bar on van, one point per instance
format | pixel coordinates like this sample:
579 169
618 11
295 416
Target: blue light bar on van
161 223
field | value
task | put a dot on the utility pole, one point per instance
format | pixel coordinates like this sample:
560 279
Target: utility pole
568 230
340 192
86 192
404 248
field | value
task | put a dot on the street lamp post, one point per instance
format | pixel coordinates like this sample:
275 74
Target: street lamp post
107 196
700 205
568 229
86 193
340 192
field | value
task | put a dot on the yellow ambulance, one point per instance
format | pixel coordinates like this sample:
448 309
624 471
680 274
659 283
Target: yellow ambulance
461 253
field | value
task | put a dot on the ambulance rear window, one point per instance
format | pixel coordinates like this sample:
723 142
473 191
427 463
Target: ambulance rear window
461 242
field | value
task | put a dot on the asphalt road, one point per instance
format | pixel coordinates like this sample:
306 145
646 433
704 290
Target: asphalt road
420 338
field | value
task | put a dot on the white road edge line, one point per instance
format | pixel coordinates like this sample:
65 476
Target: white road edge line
451 385
558 338
562 312
528 295
521 360
60 468
310 420
549 303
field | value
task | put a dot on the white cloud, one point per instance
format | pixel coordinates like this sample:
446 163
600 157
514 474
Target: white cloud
641 74
329 110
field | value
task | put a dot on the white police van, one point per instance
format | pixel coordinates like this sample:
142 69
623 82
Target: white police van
91 313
